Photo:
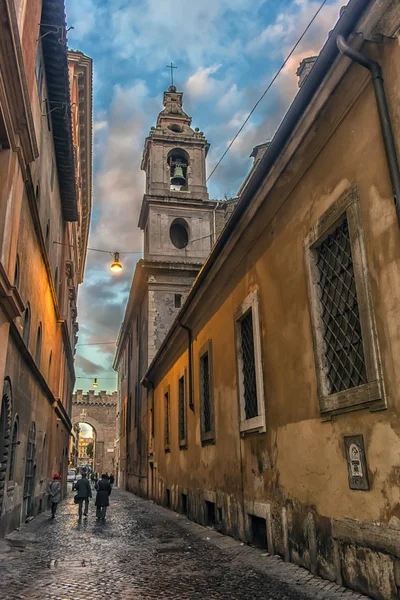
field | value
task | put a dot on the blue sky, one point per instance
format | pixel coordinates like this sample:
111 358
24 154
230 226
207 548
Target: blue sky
227 52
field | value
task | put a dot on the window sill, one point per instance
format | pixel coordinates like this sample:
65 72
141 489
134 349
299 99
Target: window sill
255 425
208 438
370 395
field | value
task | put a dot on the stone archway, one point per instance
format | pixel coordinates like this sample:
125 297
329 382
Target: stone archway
98 411
5 435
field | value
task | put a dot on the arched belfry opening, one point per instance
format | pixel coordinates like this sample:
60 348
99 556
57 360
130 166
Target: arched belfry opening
178 163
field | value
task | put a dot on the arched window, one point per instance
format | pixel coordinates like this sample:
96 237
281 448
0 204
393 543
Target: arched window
47 236
26 325
14 443
17 272
38 352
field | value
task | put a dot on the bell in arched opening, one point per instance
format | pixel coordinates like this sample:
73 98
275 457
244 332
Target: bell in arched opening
178 175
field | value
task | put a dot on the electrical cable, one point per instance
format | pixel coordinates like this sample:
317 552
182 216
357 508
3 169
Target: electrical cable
267 89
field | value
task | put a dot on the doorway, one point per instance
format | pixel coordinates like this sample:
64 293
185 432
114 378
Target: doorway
30 473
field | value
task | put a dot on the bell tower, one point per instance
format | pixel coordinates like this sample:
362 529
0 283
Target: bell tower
179 221
174 157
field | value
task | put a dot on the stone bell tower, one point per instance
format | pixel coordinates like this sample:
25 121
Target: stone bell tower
179 221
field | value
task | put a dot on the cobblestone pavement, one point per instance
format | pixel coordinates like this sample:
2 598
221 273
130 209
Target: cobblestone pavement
143 551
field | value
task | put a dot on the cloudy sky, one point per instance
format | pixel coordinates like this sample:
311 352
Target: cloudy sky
226 51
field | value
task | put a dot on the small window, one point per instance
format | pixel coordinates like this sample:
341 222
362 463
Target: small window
26 325
56 281
38 352
250 372
39 70
346 349
182 412
179 233
166 421
37 194
178 300
52 175
17 273
206 395
47 239
14 443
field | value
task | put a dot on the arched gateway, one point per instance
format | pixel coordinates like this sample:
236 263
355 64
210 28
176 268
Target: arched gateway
100 412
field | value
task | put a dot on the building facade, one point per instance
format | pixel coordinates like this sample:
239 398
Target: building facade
100 412
279 423
44 211
180 225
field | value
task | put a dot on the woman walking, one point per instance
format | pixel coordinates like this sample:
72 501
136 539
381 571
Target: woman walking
103 492
54 491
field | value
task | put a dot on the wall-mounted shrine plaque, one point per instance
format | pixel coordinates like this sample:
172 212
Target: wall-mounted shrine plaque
356 462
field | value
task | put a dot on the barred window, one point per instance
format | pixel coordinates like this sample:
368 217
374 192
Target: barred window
248 365
182 411
167 423
348 367
206 395
340 317
250 371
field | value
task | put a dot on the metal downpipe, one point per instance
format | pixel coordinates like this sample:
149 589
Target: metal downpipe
384 116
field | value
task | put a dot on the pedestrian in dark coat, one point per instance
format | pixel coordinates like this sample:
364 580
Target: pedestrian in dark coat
54 491
84 492
102 499
111 479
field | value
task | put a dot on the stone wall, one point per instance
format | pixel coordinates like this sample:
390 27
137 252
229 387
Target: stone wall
99 411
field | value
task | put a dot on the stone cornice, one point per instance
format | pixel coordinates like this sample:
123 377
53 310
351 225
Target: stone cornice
83 65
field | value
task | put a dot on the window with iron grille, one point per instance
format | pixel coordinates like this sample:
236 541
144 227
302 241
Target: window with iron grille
206 395
182 411
340 316
167 423
346 351
249 367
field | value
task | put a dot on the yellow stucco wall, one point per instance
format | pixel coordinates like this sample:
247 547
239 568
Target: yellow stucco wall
300 458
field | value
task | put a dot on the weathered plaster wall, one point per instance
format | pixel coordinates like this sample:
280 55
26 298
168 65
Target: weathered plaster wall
295 475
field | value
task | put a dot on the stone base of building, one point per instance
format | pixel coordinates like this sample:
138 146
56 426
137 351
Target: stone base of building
363 556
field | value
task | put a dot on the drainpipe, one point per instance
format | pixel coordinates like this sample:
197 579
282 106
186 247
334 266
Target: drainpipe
384 116
190 364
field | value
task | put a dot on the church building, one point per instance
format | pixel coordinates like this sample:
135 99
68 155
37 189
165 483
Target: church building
180 225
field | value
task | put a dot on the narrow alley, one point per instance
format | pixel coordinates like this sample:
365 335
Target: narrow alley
143 551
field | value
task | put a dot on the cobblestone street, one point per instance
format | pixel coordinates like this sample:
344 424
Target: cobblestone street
144 551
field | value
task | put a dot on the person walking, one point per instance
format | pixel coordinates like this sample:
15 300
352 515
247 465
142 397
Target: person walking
111 480
84 492
102 498
54 491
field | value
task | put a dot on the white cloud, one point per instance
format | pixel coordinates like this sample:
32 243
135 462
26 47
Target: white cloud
201 84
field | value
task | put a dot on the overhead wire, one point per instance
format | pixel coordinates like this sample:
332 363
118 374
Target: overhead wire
267 89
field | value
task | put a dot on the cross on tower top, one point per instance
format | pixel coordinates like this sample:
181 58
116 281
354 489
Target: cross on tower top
171 66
